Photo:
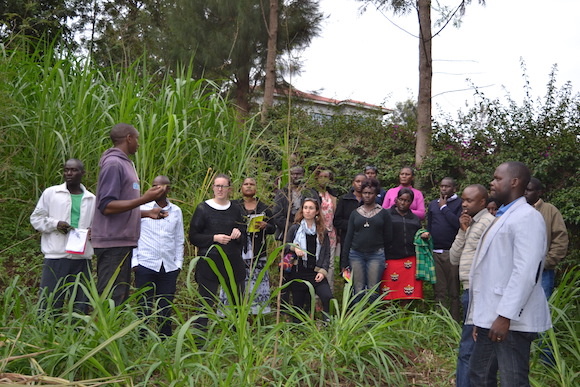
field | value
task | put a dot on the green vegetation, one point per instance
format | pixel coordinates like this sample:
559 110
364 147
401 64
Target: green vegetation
376 344
54 109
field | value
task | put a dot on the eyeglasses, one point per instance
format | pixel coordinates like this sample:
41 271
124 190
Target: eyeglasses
221 186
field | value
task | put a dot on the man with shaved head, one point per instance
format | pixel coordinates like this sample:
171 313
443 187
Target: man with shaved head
507 305
474 219
117 221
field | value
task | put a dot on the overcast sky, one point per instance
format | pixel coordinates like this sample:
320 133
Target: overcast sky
373 57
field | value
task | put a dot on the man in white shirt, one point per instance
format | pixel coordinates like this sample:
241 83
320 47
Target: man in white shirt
60 209
158 258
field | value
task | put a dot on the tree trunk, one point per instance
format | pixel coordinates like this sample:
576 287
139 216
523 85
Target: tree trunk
242 95
270 81
423 144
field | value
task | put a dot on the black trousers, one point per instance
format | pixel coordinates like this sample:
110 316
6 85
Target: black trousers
108 260
56 274
208 290
301 293
160 294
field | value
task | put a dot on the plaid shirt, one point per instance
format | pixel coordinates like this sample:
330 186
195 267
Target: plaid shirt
424 253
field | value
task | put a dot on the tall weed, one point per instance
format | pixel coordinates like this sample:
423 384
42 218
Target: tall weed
67 107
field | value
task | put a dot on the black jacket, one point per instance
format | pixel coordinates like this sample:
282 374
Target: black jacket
346 205
281 203
404 230
258 238
323 259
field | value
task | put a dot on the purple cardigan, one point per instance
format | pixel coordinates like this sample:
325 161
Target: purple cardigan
417 207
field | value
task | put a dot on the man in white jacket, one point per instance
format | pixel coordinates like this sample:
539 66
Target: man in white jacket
507 304
60 209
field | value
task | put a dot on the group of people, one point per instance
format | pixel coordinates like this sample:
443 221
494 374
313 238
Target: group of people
503 257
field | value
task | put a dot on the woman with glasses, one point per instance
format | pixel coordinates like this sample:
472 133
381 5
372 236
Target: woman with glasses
218 222
308 243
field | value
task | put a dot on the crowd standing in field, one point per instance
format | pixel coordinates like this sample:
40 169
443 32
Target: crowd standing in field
496 248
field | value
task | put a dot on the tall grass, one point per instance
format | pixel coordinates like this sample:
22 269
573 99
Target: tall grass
360 345
564 338
66 107
363 344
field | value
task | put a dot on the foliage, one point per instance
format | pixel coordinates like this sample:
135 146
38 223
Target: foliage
238 35
563 338
363 344
37 21
344 144
66 108
542 133
220 40
122 31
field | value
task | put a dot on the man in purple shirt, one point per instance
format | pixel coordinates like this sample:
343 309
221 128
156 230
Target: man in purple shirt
116 224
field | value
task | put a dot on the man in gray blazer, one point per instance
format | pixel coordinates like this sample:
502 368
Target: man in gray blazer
507 303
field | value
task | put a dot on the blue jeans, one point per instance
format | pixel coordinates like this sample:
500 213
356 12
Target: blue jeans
548 285
548 282
465 346
367 271
56 274
510 356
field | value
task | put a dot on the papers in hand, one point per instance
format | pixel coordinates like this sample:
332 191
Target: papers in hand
253 220
77 241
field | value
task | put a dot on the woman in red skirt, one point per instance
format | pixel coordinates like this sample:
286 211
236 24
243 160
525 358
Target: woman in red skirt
399 282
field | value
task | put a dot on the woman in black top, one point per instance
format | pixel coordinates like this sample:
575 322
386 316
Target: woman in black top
310 247
217 222
367 239
254 252
399 279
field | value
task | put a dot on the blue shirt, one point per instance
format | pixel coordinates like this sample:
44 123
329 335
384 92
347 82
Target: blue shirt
503 208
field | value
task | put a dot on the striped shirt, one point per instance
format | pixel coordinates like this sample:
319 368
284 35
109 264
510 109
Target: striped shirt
465 244
161 240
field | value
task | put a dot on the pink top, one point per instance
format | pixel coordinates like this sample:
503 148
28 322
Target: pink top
417 207
327 212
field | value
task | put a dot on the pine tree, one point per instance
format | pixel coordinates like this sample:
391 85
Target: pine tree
228 39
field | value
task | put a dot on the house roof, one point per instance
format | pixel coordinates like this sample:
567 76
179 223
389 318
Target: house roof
309 97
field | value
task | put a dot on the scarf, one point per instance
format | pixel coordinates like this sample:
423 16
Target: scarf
300 238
